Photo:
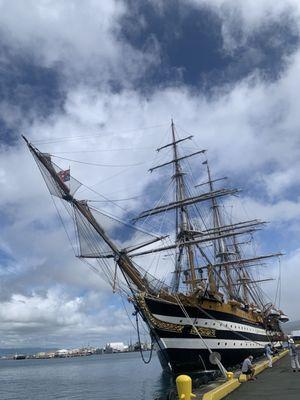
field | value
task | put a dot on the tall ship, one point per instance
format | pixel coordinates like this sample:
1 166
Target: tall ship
208 308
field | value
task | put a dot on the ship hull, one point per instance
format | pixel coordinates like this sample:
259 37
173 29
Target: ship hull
184 346
184 361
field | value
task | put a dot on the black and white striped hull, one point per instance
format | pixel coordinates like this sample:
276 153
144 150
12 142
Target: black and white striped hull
182 350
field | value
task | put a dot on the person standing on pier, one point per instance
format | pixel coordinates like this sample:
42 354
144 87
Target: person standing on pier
269 353
294 355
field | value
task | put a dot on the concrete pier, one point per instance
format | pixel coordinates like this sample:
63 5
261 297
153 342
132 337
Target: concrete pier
276 383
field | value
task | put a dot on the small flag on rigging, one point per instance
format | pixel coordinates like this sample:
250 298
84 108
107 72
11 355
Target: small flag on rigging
64 176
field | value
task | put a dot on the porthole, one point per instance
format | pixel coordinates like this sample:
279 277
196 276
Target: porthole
218 343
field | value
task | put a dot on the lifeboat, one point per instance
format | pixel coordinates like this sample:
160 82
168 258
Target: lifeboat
283 318
273 313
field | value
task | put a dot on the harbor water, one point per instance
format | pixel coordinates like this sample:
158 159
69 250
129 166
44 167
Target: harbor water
120 376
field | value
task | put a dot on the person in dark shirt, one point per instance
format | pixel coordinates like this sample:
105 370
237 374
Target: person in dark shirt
248 368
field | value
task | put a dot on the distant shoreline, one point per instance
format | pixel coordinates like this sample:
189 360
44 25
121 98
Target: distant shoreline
32 354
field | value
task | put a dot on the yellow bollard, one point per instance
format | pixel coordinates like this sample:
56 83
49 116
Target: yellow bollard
184 387
229 375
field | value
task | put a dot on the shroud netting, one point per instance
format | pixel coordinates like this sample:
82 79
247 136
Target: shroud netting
89 243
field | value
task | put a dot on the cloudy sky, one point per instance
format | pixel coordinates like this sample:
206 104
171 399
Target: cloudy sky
99 82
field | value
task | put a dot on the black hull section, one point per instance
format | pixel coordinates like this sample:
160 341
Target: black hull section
183 347
180 361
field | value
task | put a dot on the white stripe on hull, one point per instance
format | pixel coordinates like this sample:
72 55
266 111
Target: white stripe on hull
187 343
211 323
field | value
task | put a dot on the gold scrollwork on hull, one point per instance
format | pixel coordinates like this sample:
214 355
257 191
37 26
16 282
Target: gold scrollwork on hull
168 326
207 332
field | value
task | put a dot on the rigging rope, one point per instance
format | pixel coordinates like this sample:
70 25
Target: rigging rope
278 288
139 340
63 224
99 165
101 195
227 327
213 318
279 300
220 365
104 150
106 201
99 135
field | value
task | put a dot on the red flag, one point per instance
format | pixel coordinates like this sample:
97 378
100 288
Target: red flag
64 176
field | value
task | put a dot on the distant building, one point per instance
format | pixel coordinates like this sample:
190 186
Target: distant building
61 353
99 350
115 347
19 357
141 346
41 354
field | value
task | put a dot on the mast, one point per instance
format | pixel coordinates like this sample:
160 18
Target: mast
182 218
231 263
184 241
226 269
220 250
244 277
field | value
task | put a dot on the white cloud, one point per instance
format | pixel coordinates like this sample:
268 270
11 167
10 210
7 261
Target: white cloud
60 319
81 41
251 130
281 211
278 182
55 30
290 276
